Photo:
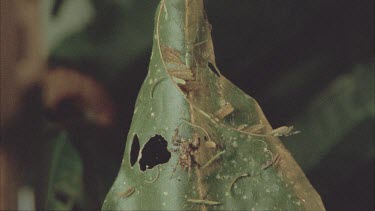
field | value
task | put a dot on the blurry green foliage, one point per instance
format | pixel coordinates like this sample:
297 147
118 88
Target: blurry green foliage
336 147
65 175
64 18
332 115
119 32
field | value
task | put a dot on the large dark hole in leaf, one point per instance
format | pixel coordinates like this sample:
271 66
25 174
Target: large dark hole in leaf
213 69
134 151
154 152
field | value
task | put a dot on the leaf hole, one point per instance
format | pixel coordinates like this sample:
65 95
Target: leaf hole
213 69
134 151
154 152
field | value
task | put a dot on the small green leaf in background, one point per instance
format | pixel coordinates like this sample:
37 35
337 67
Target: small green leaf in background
69 17
336 147
65 175
332 115
204 154
116 36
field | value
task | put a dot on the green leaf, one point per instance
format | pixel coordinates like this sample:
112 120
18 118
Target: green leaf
65 176
346 104
71 18
117 35
192 143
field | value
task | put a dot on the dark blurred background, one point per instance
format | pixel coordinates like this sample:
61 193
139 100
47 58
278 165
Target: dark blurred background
309 63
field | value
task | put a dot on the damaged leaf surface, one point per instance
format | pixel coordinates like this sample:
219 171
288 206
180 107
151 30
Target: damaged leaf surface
218 161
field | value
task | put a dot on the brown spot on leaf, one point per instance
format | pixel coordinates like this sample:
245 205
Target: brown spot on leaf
284 131
171 55
257 129
185 74
224 111
127 193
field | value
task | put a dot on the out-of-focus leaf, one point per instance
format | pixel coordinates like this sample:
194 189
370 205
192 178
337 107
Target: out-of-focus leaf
120 32
65 175
62 85
332 115
69 17
347 170
186 104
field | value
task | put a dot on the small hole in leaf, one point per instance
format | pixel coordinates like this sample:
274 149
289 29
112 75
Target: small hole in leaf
213 69
154 152
134 151
62 197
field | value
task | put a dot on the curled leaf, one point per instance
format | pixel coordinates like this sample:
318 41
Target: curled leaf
211 110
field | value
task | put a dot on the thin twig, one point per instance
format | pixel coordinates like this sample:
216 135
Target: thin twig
202 201
194 125
127 193
235 180
274 160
